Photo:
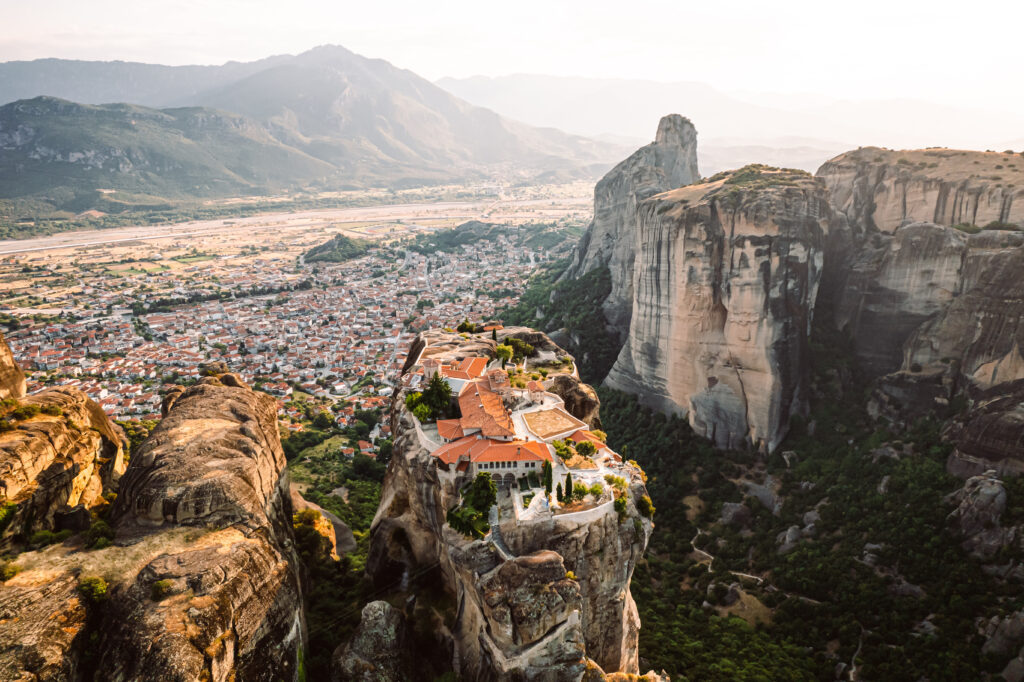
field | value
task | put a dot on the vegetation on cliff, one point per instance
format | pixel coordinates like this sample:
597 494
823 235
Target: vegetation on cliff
572 305
878 579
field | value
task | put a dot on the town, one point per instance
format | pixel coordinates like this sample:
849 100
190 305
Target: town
330 331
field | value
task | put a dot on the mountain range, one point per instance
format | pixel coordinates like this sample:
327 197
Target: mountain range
325 119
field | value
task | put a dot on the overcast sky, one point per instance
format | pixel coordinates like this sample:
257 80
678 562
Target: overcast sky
967 54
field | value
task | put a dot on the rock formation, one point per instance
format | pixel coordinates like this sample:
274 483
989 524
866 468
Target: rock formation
380 649
611 241
980 506
201 581
725 281
12 379
551 604
58 452
67 455
990 435
581 400
881 189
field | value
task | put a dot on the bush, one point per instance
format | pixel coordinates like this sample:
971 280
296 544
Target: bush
8 570
160 590
586 448
579 491
93 588
646 507
52 410
99 535
596 490
421 412
24 412
617 482
620 506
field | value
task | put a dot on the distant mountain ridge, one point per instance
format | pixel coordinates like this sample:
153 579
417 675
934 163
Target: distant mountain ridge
736 129
324 119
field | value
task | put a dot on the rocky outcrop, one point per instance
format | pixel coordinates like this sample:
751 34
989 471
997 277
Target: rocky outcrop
12 379
990 435
611 239
201 581
552 603
929 296
980 506
380 649
726 278
581 400
880 190
67 454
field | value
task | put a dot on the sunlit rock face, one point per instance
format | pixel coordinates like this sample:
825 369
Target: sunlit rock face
725 282
202 581
882 189
611 240
12 379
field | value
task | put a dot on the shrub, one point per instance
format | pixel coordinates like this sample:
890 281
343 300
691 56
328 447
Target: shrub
160 590
601 435
579 491
25 412
646 507
570 575
52 410
620 506
563 449
421 412
42 537
93 588
617 482
99 535
596 490
8 570
586 448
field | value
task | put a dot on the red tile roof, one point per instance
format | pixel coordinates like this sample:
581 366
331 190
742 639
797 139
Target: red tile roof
583 434
449 429
484 409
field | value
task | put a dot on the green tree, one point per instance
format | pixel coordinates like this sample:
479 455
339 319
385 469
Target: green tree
558 492
482 493
568 485
546 473
504 353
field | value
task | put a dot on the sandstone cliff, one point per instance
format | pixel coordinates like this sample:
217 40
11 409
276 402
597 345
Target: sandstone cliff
611 241
881 189
201 582
541 600
725 282
68 454
12 379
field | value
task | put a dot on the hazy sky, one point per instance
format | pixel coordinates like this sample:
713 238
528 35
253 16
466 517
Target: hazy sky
967 53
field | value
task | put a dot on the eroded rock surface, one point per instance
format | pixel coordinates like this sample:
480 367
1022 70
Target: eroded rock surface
726 278
202 580
52 462
379 651
581 400
12 379
991 434
980 506
882 189
611 240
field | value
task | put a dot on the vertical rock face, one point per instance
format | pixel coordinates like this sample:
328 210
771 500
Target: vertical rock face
611 240
12 379
51 462
553 604
58 451
881 189
725 282
202 578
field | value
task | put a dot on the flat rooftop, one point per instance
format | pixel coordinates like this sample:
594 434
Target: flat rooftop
551 422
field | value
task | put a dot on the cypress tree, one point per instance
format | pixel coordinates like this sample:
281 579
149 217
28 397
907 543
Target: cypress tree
558 492
568 486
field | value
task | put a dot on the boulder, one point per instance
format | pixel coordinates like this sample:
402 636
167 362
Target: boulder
581 400
980 505
379 651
